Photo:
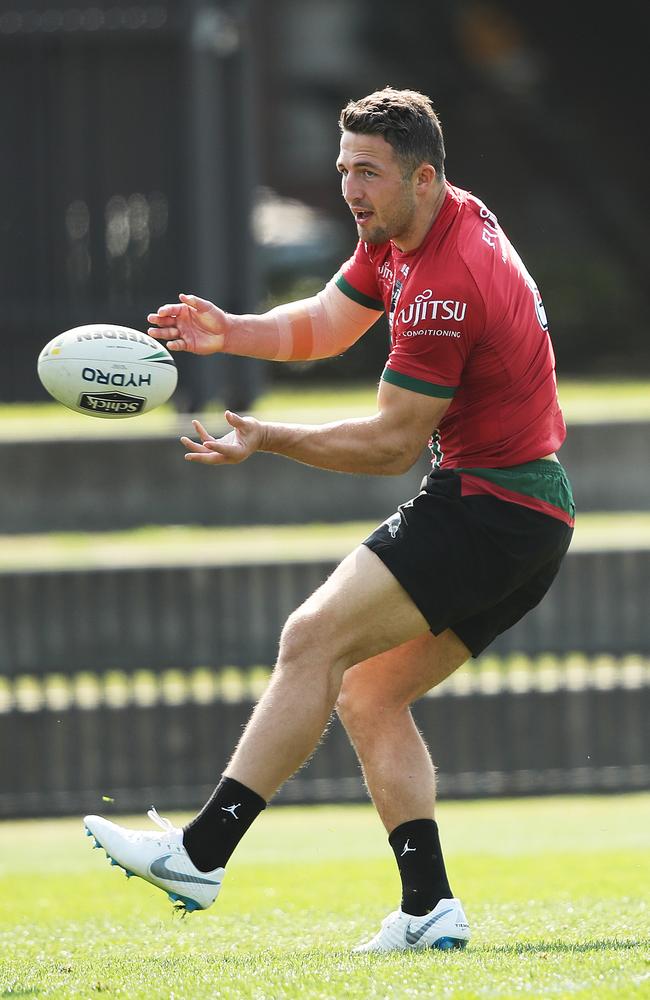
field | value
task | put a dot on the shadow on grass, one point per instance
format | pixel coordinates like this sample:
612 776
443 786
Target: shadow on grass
567 947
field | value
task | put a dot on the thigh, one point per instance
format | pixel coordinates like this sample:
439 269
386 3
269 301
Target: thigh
361 610
397 677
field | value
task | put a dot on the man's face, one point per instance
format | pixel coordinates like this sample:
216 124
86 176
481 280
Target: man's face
373 184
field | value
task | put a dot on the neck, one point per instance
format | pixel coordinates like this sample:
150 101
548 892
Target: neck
422 225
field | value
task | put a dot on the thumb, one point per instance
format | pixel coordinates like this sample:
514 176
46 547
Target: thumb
234 419
201 305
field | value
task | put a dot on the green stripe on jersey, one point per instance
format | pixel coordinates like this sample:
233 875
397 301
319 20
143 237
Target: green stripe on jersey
418 384
542 479
352 293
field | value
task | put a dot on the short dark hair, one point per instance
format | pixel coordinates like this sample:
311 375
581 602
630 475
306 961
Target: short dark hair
406 120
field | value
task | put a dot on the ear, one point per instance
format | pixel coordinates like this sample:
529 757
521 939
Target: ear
425 177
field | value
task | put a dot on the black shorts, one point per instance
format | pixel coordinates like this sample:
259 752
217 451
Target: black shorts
474 564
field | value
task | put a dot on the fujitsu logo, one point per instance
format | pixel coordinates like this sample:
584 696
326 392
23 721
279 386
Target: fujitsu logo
424 307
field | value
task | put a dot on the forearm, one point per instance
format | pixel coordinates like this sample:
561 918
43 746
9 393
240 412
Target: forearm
360 446
386 444
269 336
319 327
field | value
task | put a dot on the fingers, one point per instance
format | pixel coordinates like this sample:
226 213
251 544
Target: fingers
165 324
212 453
171 345
201 431
205 458
211 459
210 450
167 313
163 332
200 452
193 446
201 305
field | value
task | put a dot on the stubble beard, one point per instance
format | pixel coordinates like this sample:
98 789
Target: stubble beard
375 236
400 222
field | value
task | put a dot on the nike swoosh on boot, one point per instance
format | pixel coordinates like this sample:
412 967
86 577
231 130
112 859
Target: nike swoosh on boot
413 937
160 870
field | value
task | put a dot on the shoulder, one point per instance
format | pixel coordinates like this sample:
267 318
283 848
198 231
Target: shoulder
457 255
478 229
374 260
360 277
482 246
369 257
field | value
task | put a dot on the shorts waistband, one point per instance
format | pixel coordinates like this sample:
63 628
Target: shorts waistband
543 482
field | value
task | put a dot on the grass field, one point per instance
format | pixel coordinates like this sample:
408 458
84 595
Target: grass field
556 890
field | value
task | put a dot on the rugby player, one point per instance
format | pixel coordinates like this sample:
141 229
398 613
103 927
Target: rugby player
471 370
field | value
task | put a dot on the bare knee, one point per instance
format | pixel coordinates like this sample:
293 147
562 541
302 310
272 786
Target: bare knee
351 710
384 687
299 635
305 646
362 706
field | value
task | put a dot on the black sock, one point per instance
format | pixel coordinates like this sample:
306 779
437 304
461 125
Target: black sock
421 865
213 835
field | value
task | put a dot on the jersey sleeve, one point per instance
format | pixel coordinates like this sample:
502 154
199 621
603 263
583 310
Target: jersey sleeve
358 280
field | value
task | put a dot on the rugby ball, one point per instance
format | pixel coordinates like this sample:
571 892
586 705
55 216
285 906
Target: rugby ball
107 371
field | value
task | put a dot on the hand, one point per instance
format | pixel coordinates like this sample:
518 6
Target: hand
245 438
192 324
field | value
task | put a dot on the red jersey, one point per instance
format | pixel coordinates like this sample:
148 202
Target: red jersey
467 323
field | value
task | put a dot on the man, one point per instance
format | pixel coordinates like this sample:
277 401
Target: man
459 563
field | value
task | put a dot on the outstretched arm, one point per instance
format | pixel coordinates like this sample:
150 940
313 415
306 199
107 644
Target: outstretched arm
319 327
387 443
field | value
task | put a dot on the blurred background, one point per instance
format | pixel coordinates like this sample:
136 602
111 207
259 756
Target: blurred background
190 146
161 147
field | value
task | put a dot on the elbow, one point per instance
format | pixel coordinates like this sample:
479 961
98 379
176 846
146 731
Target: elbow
403 466
400 460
